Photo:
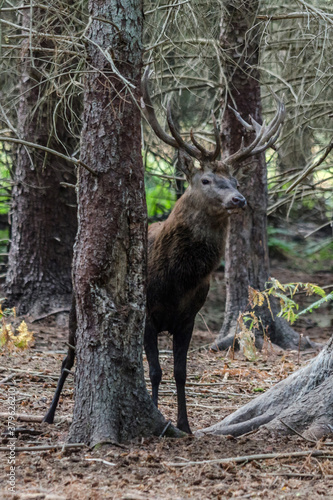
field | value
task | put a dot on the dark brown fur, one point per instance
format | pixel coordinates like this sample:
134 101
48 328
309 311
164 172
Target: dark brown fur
183 251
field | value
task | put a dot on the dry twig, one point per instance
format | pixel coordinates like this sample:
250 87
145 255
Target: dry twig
250 458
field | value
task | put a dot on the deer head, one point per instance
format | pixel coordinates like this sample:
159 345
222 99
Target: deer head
213 181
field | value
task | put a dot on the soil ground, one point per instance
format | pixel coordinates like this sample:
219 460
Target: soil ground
147 468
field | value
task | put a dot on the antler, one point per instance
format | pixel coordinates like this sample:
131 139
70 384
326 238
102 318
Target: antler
148 110
196 150
265 136
211 155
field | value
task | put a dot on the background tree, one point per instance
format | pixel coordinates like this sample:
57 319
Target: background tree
43 210
112 403
246 256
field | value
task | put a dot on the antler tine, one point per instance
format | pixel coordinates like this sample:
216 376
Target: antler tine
255 125
191 150
197 151
148 110
203 150
240 119
265 136
211 155
277 120
273 130
270 142
243 153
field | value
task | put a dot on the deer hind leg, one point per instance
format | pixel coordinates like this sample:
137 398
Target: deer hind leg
181 342
151 349
66 366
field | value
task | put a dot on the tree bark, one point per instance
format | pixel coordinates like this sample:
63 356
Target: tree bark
43 213
302 403
109 267
246 253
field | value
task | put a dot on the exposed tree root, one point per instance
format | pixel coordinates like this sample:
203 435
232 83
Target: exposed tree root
302 403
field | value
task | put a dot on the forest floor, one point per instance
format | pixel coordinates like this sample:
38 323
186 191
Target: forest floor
162 468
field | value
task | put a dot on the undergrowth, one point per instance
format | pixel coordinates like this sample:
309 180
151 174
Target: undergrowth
250 321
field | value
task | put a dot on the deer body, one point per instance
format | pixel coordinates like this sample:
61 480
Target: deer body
183 251
179 267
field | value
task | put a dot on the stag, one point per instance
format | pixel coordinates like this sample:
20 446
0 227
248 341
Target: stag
185 249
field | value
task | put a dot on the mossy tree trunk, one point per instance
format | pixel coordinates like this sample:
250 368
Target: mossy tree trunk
109 268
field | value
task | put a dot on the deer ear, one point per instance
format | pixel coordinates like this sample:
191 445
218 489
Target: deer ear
186 164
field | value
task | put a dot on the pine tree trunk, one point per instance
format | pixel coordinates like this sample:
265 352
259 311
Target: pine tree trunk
109 268
43 213
246 253
302 403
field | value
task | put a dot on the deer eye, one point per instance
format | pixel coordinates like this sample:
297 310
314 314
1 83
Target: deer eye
205 181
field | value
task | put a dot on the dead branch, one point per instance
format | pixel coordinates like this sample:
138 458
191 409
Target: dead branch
250 458
42 447
310 169
6 379
22 417
100 460
55 311
48 150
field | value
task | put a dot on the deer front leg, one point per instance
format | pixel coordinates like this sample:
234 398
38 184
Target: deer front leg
151 349
181 342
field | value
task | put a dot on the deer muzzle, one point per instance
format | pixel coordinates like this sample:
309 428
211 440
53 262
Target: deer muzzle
236 202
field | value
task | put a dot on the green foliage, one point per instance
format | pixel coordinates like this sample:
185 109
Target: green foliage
249 321
5 184
275 242
316 304
314 252
160 198
285 293
5 191
160 193
320 248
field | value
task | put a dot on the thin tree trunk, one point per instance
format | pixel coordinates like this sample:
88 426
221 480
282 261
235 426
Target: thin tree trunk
109 268
246 254
302 403
43 213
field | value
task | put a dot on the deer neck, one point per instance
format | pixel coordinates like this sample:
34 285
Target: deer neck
199 219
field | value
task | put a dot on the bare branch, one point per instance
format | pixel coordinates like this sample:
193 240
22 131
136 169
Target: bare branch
312 167
48 150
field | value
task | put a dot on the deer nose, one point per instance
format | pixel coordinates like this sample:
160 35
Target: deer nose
238 201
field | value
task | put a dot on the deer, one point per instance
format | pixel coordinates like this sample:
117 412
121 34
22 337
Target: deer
186 248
